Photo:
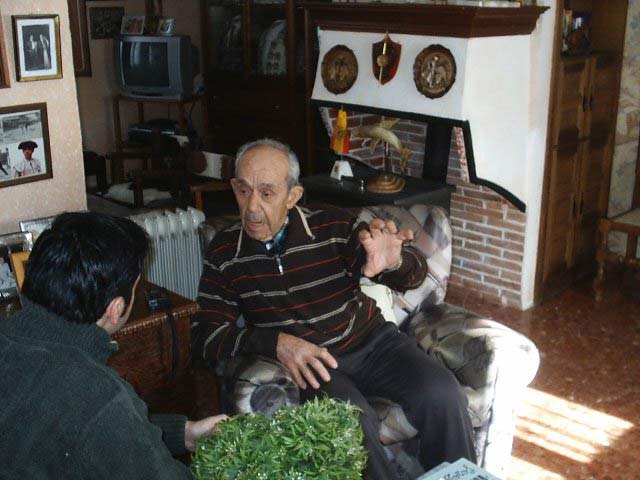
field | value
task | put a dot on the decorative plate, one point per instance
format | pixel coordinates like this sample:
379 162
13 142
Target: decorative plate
434 71
339 69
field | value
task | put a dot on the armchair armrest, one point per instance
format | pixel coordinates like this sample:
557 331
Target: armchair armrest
494 365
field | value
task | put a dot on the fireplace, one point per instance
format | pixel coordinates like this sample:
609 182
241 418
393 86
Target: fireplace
476 137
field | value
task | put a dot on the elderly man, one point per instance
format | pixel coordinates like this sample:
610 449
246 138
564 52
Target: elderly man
65 413
285 283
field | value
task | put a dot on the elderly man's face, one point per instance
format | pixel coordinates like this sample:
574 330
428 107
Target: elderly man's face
27 152
262 192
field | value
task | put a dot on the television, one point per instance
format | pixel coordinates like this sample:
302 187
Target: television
155 66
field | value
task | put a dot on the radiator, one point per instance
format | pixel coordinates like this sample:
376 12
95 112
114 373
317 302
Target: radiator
175 259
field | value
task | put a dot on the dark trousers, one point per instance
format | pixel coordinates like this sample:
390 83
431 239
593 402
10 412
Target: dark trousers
392 366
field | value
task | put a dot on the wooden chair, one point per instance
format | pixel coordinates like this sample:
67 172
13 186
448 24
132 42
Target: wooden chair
168 167
627 222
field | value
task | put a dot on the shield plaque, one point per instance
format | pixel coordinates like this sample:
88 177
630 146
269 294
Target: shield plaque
385 59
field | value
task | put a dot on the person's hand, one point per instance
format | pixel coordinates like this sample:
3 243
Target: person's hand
302 358
382 243
201 428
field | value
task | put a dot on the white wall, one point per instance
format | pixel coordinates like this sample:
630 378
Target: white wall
539 87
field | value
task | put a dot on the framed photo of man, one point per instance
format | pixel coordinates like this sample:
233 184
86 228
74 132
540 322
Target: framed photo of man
25 153
36 40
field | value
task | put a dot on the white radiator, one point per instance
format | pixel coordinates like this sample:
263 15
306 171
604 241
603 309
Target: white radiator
175 259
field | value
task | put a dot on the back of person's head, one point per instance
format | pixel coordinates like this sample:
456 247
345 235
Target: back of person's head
84 261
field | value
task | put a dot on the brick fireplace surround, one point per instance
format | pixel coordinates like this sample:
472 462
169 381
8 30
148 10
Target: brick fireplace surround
488 231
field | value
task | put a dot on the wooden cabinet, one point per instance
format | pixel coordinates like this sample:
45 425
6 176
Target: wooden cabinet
253 52
582 136
584 101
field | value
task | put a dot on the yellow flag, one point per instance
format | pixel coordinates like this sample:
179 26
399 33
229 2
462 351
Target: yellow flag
341 135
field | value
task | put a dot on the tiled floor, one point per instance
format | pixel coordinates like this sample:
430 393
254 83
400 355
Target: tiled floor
580 419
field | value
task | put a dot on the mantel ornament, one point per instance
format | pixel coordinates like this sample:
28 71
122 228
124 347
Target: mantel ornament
339 69
434 71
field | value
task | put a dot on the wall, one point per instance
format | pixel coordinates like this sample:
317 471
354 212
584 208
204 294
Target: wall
507 104
626 142
65 191
95 92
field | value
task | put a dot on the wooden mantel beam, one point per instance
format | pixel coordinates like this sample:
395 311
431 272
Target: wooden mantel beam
420 19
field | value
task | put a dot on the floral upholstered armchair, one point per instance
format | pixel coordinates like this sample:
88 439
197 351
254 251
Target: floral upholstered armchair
493 363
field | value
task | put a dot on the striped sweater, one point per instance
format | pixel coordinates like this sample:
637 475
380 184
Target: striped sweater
245 301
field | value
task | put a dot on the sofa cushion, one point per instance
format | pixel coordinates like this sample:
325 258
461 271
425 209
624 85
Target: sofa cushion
432 236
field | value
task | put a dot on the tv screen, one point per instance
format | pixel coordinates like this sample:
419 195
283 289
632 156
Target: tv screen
147 64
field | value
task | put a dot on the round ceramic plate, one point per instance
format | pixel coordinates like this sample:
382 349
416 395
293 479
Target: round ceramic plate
339 69
434 71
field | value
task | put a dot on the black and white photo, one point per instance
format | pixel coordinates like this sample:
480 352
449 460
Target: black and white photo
11 243
37 47
24 144
105 21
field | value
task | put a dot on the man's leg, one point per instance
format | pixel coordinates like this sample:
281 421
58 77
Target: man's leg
430 395
342 387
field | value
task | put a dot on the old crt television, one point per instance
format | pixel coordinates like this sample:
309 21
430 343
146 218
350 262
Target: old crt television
150 66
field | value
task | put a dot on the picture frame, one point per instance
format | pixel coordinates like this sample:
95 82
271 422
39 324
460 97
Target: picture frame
19 266
36 226
165 26
11 243
36 40
79 38
4 66
132 25
105 22
25 152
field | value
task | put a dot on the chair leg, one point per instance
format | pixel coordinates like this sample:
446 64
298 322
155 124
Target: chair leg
598 282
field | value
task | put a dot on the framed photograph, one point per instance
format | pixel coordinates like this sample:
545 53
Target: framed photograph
132 25
19 266
79 37
105 22
4 66
25 153
36 40
10 244
165 26
37 226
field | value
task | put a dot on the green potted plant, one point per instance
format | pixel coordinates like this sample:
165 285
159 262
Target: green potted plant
320 440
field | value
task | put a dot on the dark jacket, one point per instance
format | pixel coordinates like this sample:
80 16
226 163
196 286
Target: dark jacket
64 414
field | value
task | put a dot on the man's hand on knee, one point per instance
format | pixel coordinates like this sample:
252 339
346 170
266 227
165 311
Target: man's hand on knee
304 360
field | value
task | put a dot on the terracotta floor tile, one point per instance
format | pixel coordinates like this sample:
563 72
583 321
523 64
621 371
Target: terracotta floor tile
589 381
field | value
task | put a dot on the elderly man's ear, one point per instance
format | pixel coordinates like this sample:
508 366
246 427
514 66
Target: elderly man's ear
295 194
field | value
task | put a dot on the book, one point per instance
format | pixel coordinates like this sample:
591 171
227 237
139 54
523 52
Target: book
461 469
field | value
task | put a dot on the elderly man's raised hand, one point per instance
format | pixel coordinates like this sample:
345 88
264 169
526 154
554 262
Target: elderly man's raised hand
382 243
304 360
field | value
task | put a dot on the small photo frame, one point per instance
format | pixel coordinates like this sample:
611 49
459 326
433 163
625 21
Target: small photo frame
36 226
10 244
19 266
132 25
165 26
36 41
25 153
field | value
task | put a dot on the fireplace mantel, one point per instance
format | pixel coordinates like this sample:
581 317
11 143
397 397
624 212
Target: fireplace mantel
419 19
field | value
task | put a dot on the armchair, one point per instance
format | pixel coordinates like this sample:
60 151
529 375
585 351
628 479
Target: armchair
493 363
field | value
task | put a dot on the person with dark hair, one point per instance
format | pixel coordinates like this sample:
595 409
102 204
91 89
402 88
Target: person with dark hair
65 413
29 165
285 283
